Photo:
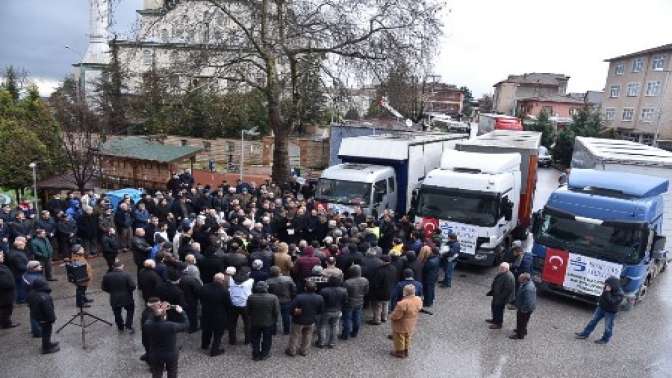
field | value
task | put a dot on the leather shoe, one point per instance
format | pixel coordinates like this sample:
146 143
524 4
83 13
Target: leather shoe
515 337
490 321
131 330
399 354
51 350
580 336
372 322
290 354
601 341
12 325
495 326
264 357
217 352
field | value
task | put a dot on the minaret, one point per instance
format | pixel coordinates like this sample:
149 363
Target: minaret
88 71
99 24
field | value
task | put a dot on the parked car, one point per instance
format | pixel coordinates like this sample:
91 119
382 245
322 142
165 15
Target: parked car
545 159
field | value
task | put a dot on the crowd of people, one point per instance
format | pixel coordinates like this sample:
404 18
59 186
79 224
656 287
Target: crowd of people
270 256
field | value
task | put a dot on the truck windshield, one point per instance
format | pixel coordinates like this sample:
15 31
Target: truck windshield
343 192
462 206
611 241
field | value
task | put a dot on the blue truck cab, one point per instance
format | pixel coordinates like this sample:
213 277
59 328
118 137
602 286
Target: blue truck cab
601 223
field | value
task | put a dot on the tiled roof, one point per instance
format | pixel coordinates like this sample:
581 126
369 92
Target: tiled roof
139 148
562 99
536 78
654 50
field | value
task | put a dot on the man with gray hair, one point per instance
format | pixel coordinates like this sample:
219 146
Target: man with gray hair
215 305
501 291
526 302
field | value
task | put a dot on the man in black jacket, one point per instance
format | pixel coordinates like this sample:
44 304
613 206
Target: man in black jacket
7 295
305 309
162 339
191 284
384 279
607 307
140 248
501 291
284 288
111 247
264 311
216 305
148 280
42 310
17 262
335 298
120 286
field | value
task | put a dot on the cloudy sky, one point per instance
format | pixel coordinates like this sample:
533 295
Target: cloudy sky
485 40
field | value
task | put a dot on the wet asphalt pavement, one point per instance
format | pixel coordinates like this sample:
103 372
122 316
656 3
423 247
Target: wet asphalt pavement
454 342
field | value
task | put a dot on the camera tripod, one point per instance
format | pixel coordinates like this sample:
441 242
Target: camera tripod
82 317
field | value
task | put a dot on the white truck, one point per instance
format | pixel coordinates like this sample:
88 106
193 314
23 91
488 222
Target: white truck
483 192
380 172
626 156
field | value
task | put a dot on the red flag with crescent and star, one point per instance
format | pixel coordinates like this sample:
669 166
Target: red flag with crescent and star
555 266
429 224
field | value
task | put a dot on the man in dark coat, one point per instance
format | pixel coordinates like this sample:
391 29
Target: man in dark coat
140 248
264 311
148 280
305 309
382 283
357 287
501 291
43 251
430 274
17 261
42 310
87 230
7 294
162 339
169 291
607 307
191 284
526 302
216 305
120 286
335 298
111 247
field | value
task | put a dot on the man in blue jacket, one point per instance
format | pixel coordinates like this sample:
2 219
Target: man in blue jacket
526 302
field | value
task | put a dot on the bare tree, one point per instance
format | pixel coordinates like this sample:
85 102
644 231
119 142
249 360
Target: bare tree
268 43
81 132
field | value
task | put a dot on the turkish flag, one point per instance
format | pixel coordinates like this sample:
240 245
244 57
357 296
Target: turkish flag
555 266
429 224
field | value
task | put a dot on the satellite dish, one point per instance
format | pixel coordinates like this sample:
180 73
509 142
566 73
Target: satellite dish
409 123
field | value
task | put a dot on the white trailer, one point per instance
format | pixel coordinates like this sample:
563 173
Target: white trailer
626 156
380 172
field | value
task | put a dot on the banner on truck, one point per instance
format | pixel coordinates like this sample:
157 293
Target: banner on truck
578 273
466 235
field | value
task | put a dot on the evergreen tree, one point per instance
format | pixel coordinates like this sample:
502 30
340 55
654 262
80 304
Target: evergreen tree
543 125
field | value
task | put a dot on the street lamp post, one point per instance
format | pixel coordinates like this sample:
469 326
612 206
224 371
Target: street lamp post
33 166
252 132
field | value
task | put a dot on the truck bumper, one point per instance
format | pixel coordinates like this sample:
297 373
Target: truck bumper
482 257
557 290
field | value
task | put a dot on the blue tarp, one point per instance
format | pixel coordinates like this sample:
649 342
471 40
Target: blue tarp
117 195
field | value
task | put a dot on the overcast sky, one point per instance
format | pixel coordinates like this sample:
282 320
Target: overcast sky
485 40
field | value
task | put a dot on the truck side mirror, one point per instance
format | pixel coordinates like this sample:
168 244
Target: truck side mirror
507 209
536 222
658 245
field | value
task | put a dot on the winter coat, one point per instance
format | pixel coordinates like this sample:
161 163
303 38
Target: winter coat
611 300
110 245
7 286
384 279
162 339
148 281
211 265
48 225
41 248
123 219
190 286
87 227
215 304
304 264
306 307
263 309
503 288
335 298
526 297
430 270
357 287
120 286
283 287
40 303
140 249
398 291
405 314
369 266
283 261
17 261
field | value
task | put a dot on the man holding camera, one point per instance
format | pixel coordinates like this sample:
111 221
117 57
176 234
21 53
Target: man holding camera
162 339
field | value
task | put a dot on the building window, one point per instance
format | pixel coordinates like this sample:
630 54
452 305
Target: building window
647 139
164 35
573 111
637 64
610 114
658 63
614 91
632 90
647 115
653 88
619 68
628 114
147 57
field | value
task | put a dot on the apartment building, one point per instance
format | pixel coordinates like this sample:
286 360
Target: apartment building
508 92
638 98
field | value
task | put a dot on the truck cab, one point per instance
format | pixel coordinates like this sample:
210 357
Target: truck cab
343 187
475 196
601 224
